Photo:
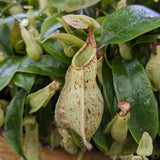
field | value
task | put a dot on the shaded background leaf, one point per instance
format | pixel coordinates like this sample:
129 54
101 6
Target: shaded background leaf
101 140
46 66
72 5
142 53
5 33
44 118
8 68
54 48
13 122
24 80
10 20
49 26
108 89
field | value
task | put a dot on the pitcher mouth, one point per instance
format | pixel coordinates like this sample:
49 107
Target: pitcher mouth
79 57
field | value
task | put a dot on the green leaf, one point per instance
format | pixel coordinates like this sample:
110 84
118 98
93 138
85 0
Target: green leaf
24 80
142 53
54 48
128 23
156 145
108 89
13 122
44 119
132 84
47 66
10 19
8 68
72 5
5 33
130 146
145 39
48 26
3 50
102 140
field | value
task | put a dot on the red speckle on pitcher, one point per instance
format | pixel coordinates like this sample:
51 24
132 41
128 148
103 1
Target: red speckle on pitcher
80 95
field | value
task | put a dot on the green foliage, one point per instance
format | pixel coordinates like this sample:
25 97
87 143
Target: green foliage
108 89
136 19
24 80
8 68
132 84
59 28
13 122
72 5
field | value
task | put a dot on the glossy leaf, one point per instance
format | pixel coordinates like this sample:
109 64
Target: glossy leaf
54 48
72 5
48 26
129 147
108 89
5 33
80 34
8 68
13 122
24 80
3 50
132 84
102 140
90 11
46 66
142 53
136 19
156 145
145 39
10 19
44 118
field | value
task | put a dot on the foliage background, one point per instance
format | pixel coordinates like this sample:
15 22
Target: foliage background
137 25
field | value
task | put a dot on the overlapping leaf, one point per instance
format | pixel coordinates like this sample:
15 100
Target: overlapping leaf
128 23
8 68
46 66
52 46
24 80
72 5
108 89
132 84
13 122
